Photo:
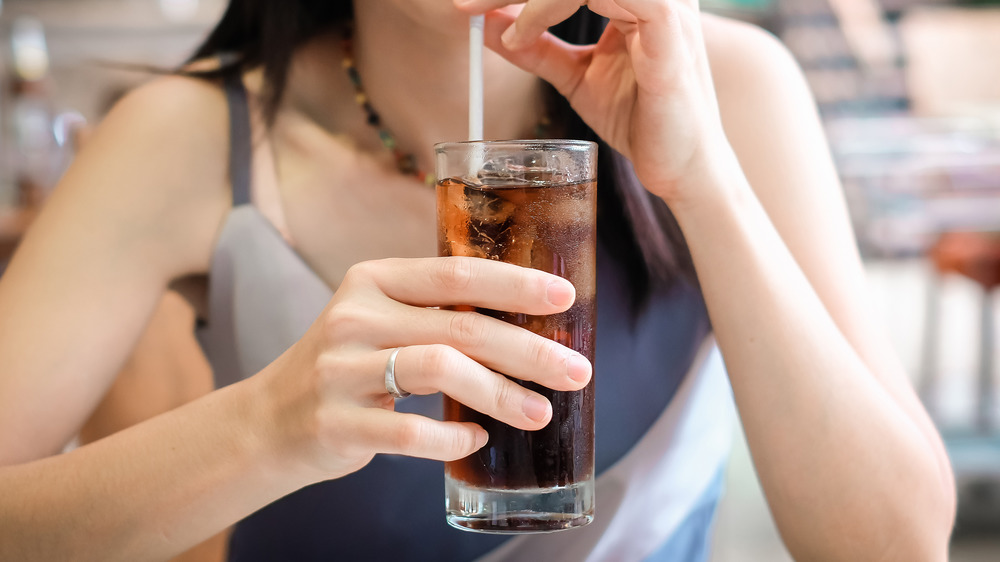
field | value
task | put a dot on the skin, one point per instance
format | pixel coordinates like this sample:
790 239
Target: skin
852 467
166 370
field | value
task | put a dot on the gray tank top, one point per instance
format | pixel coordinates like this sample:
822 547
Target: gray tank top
262 297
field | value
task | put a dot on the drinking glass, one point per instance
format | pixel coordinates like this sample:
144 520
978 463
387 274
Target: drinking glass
531 203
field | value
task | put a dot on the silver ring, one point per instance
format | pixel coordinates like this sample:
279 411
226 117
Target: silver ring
390 377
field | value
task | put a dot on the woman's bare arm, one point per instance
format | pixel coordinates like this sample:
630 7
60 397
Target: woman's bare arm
166 370
718 122
851 464
126 219
148 492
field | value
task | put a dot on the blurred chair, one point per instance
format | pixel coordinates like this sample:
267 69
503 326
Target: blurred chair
975 455
975 255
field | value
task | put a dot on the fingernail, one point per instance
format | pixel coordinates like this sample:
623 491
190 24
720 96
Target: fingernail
508 36
578 367
559 293
536 408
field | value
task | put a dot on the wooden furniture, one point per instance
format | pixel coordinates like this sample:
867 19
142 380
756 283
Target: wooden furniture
975 255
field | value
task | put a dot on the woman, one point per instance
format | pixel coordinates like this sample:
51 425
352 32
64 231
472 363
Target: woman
713 119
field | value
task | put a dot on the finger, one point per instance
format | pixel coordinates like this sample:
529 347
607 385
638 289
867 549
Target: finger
482 6
646 10
557 62
656 21
606 8
439 368
497 345
416 436
425 370
465 281
536 17
695 4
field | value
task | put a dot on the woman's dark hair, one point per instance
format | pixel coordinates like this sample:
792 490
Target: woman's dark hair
636 227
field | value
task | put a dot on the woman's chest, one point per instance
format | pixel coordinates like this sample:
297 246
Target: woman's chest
340 209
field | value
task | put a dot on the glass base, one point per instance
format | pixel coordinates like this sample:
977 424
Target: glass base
511 512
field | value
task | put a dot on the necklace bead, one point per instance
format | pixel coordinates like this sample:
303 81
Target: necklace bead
406 162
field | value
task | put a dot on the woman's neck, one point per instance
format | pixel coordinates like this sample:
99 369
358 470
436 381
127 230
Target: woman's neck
415 75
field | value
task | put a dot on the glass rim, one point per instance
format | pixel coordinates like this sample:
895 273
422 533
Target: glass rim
566 144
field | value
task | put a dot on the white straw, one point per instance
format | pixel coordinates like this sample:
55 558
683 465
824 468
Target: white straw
476 24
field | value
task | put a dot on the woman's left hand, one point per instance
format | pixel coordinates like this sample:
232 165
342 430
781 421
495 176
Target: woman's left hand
645 87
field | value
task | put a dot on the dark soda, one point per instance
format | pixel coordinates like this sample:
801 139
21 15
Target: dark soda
550 228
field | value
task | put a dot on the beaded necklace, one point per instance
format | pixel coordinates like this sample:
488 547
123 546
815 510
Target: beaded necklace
406 162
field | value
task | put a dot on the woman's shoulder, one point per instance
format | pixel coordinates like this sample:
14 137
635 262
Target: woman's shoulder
162 152
743 54
172 123
759 84
172 109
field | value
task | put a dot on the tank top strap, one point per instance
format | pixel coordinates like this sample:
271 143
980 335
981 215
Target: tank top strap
240 149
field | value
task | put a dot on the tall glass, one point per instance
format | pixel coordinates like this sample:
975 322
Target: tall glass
533 204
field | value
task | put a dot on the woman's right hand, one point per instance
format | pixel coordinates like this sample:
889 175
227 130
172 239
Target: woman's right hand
331 405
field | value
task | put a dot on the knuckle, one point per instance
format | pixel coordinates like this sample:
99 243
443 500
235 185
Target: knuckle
327 426
362 273
505 394
526 285
540 350
456 274
344 319
531 287
326 371
469 329
461 443
439 360
409 434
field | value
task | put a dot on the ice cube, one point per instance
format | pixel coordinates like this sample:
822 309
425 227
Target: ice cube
490 219
573 206
463 248
486 205
519 245
527 169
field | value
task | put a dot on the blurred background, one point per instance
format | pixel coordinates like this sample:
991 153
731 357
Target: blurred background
910 94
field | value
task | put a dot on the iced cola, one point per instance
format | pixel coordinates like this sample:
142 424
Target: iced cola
538 211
